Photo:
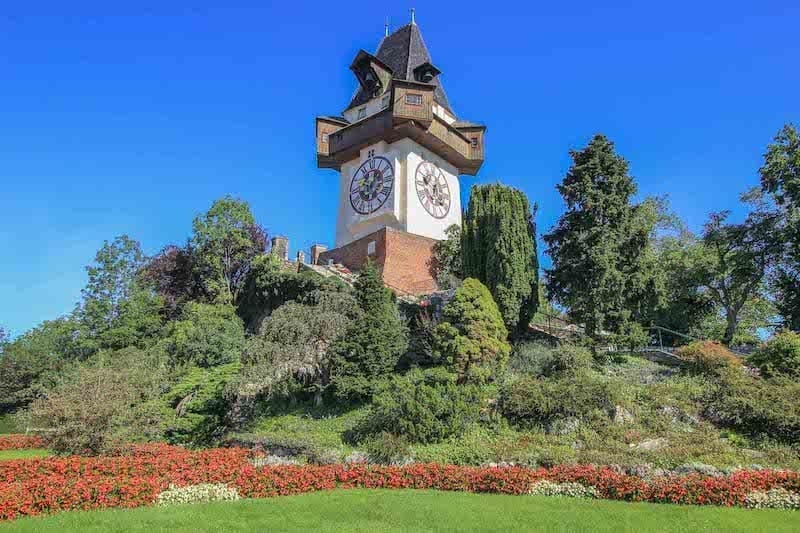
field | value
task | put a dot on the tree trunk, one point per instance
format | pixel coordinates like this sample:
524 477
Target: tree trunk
732 320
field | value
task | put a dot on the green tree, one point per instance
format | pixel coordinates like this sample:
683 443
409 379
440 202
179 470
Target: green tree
207 335
112 279
499 249
445 263
779 356
225 241
780 180
471 338
734 265
294 343
601 247
370 348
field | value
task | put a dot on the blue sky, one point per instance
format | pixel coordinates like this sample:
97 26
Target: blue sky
133 119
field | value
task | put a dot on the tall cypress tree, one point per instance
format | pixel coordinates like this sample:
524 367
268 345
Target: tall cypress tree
499 249
599 247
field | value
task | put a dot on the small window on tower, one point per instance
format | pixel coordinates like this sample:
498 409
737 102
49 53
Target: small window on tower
371 248
413 99
362 113
325 138
474 142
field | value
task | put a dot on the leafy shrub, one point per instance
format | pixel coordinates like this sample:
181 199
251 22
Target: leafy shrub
531 357
568 359
779 498
97 408
388 449
472 336
529 401
779 356
707 357
207 335
571 490
202 493
423 406
195 408
756 406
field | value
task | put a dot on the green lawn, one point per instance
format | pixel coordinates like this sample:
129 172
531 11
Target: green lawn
7 455
406 510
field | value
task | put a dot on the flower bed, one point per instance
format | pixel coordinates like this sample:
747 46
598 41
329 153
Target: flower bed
34 486
19 442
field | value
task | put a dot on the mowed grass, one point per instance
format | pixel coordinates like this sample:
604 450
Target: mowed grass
418 511
8 455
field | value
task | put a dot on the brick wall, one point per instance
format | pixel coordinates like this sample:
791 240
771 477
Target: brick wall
401 258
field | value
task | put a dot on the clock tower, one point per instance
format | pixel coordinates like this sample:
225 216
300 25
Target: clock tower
399 149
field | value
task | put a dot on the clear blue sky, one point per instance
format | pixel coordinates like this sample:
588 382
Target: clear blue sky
133 119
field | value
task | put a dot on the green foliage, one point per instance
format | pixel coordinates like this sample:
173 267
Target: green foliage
568 360
206 336
526 400
293 344
446 265
471 338
423 406
531 357
603 261
194 409
759 407
31 362
707 357
112 279
780 179
779 356
388 449
370 348
101 406
268 287
225 240
499 249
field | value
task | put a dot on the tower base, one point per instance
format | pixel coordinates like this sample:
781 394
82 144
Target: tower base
403 259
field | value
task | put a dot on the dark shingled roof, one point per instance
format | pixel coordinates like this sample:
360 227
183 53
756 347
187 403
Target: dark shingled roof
403 51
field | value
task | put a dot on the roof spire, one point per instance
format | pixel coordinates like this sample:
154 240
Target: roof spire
386 28
413 21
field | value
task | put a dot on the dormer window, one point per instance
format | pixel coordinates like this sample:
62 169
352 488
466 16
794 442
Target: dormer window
362 113
325 138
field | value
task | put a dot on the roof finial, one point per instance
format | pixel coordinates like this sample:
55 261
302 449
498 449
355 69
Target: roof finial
386 28
412 16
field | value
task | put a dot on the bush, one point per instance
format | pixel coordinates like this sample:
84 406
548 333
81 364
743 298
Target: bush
531 357
423 406
195 408
208 335
779 356
472 336
756 406
572 490
530 401
707 357
388 449
568 359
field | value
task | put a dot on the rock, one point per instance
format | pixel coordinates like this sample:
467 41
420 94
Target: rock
564 426
622 415
651 445
677 416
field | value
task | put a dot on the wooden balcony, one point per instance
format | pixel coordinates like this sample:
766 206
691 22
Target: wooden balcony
410 114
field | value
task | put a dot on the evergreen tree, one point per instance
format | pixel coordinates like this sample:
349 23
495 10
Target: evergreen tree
472 337
600 248
371 347
499 249
780 179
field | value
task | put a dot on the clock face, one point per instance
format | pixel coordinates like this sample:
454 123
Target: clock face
432 189
371 185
